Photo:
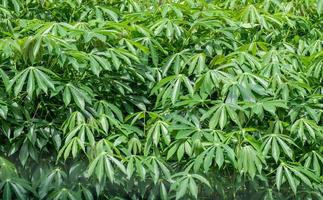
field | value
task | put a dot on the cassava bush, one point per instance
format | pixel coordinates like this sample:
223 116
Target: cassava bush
159 99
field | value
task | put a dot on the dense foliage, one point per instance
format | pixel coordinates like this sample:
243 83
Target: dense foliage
139 99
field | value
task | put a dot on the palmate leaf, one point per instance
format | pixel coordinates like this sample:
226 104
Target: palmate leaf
134 146
250 84
98 62
10 184
153 46
255 47
82 130
86 193
284 89
130 6
188 136
80 134
273 63
197 63
106 123
51 180
278 143
119 56
100 12
157 131
172 88
180 147
221 112
79 96
187 126
9 47
309 109
73 146
75 119
168 9
110 59
104 107
249 161
8 169
313 160
212 80
157 168
293 174
306 130
53 28
15 187
63 193
176 61
135 165
187 182
171 28
28 148
246 86
316 69
15 4
266 104
244 61
216 153
102 166
34 48
251 17
133 46
36 79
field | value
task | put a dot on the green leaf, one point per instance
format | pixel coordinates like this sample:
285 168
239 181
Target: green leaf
208 159
20 83
219 159
180 192
275 149
291 180
279 176
319 7
31 84
193 188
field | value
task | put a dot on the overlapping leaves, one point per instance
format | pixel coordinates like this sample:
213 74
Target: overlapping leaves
161 99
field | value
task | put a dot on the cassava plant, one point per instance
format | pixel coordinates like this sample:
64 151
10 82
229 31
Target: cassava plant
151 99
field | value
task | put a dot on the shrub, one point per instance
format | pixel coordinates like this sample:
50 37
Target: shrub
147 99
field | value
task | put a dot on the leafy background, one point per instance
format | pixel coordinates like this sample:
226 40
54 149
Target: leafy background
139 99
